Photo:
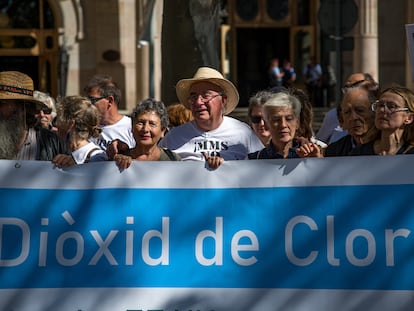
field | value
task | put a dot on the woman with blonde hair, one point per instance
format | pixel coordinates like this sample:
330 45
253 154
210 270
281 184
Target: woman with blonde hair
394 116
78 123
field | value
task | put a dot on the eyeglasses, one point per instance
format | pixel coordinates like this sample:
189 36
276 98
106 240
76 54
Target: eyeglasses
95 99
256 119
46 110
205 98
388 107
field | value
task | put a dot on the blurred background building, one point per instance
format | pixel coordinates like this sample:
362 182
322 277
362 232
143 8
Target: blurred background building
148 45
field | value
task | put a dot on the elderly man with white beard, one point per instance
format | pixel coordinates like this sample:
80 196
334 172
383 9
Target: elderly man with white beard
19 138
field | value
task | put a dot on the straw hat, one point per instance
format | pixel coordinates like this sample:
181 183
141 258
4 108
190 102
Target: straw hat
206 74
17 86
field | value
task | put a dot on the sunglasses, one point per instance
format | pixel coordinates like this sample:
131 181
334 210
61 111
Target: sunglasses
256 119
45 110
95 99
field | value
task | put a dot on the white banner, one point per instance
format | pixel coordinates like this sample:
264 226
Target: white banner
297 234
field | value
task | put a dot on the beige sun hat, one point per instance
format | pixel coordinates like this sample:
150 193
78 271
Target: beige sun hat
17 86
211 75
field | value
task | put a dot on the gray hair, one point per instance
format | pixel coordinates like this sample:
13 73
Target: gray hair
258 100
47 100
150 104
283 100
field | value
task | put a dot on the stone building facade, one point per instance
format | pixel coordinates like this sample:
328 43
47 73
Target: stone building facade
71 40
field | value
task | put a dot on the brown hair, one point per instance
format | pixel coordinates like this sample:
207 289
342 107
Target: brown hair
105 86
178 114
306 113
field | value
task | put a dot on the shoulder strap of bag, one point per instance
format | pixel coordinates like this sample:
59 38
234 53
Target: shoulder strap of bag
170 154
88 156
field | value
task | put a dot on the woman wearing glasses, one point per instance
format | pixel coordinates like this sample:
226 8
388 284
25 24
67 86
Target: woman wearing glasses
394 115
255 113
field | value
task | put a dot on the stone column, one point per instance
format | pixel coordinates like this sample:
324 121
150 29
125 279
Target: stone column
366 38
409 63
127 45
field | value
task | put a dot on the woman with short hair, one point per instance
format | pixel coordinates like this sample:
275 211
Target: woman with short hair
282 115
149 123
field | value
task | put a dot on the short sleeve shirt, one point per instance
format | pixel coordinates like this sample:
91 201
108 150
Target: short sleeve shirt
232 140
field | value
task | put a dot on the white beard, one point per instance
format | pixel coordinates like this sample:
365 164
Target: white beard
11 133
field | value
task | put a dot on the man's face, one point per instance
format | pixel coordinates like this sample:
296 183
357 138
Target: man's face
44 116
12 127
206 101
8 109
356 112
102 103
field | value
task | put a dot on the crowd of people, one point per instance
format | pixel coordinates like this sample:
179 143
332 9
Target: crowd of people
86 128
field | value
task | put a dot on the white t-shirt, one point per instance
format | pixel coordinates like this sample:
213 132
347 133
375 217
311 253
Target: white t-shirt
121 130
232 140
82 153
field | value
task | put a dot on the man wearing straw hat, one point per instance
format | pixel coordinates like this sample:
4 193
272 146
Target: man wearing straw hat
212 136
19 139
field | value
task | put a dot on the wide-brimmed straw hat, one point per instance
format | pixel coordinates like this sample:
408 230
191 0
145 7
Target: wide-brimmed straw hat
17 86
206 74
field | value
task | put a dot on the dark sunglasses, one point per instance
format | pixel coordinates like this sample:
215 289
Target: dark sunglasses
45 110
256 119
95 99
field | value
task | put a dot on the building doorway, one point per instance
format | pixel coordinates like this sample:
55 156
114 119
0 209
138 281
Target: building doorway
255 49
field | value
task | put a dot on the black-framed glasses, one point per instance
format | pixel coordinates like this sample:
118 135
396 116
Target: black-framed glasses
256 119
45 110
205 98
95 99
388 107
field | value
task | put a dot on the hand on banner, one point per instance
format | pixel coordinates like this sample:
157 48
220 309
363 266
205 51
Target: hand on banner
63 160
116 146
213 162
122 161
311 150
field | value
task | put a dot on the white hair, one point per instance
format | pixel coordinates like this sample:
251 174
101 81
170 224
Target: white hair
47 100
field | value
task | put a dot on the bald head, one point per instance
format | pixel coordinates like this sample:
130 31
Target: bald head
357 78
